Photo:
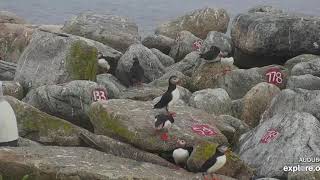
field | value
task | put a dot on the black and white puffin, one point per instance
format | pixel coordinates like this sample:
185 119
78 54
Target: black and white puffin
182 154
170 96
163 121
103 63
8 123
136 72
215 162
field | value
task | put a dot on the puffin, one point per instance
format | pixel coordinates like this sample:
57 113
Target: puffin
103 63
136 72
170 96
8 123
215 162
226 60
181 154
211 54
163 121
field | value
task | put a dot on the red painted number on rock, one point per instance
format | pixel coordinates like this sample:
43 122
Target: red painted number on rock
203 130
197 45
99 94
274 76
270 135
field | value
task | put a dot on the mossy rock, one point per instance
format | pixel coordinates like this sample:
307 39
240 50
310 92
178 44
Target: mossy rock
41 127
82 61
234 166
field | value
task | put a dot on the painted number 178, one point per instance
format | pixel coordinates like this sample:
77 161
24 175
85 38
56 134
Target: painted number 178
274 77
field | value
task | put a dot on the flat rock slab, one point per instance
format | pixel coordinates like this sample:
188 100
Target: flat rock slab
79 163
133 122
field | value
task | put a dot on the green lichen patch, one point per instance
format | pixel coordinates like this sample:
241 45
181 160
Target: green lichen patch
82 61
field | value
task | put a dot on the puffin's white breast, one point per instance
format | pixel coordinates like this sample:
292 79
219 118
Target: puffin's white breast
104 64
221 161
175 96
180 156
8 123
227 61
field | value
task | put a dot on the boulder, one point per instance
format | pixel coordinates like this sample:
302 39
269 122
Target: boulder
9 17
268 37
163 58
51 28
213 101
14 89
300 100
115 118
184 44
27 142
298 59
311 67
69 101
264 8
187 65
148 61
280 141
157 41
7 70
163 81
234 167
237 107
14 38
217 39
256 101
306 81
55 59
236 82
112 85
198 22
41 127
114 31
303 175
80 163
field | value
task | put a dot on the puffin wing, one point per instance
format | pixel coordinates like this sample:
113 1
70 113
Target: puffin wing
206 165
160 120
164 101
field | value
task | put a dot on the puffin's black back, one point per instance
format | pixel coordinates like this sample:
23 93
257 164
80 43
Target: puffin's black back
136 71
211 161
211 54
162 118
164 101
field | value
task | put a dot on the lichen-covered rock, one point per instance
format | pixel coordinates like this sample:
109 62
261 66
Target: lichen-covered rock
133 122
80 163
234 167
14 89
198 22
27 143
310 67
298 59
148 61
112 85
184 44
163 58
55 59
187 65
217 39
69 101
41 127
213 101
237 108
300 100
269 147
115 31
256 101
267 37
207 73
162 43
142 93
306 81
9 17
14 38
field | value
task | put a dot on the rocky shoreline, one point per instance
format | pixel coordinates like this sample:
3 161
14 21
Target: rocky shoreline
78 120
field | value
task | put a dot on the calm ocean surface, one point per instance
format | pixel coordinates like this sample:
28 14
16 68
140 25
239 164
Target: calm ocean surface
146 13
